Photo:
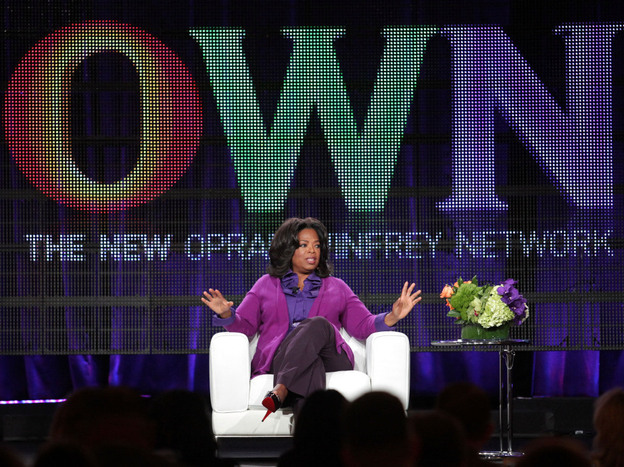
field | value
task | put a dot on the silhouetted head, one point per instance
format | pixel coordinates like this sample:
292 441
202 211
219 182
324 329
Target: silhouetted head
441 437
609 425
104 416
555 452
376 432
470 405
183 426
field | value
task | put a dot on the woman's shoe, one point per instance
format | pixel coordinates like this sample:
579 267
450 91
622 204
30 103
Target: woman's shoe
272 402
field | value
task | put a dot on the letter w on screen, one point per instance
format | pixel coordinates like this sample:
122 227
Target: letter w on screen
364 160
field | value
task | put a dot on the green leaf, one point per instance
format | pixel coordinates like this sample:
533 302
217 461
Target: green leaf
464 295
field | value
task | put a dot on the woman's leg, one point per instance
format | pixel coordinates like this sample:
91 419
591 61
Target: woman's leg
305 355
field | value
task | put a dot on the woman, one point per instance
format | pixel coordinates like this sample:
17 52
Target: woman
298 309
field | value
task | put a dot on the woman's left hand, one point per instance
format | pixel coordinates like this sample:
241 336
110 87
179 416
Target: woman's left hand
403 305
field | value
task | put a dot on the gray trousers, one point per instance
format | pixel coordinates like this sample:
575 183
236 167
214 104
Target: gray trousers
305 355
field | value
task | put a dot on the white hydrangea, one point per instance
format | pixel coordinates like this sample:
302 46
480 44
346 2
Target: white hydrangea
495 313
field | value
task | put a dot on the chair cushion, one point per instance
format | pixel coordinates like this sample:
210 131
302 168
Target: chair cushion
258 387
248 424
351 384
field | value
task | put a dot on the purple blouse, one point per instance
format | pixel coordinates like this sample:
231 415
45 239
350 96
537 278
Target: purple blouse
300 301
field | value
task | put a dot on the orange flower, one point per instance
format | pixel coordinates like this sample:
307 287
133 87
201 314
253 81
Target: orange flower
465 282
447 292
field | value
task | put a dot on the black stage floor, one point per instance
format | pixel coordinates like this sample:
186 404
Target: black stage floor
24 428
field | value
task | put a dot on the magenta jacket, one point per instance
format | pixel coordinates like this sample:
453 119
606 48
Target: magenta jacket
264 310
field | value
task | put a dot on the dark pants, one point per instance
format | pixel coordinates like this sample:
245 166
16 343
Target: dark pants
305 355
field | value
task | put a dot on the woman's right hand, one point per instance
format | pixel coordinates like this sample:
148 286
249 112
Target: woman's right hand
217 303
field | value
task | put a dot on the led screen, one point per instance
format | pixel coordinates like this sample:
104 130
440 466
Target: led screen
150 151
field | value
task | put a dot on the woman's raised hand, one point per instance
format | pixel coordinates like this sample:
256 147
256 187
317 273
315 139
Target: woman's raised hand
217 303
403 305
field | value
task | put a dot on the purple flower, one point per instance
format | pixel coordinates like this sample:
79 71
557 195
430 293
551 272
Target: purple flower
519 309
508 292
510 282
511 297
507 286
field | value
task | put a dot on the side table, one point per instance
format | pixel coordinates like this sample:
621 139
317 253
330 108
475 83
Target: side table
506 354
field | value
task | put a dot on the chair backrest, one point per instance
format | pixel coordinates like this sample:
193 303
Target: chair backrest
357 346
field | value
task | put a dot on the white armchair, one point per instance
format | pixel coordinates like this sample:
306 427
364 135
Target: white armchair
382 363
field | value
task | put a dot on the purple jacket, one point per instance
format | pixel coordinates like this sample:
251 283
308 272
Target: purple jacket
264 310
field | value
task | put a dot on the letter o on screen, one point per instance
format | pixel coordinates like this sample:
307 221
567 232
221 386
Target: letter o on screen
38 119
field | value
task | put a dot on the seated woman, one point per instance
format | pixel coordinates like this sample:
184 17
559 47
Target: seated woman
298 309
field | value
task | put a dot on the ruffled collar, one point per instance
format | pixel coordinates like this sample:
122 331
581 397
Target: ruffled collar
311 286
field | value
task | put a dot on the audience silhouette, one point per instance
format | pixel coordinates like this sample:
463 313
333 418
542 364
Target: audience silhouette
65 453
9 457
103 427
470 406
104 416
441 439
376 433
183 429
555 452
608 447
115 426
318 431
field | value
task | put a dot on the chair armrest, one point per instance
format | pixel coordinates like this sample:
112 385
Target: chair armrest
230 370
388 363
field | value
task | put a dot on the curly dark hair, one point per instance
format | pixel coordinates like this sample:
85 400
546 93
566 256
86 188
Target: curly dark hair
286 241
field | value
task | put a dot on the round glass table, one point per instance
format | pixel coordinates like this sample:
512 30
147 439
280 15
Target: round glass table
506 354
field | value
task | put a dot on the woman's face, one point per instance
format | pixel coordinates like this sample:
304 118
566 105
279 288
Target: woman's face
306 257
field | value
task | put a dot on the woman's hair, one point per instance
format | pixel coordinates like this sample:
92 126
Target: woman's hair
286 241
609 425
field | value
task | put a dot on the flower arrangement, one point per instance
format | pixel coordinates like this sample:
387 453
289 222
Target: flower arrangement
489 306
